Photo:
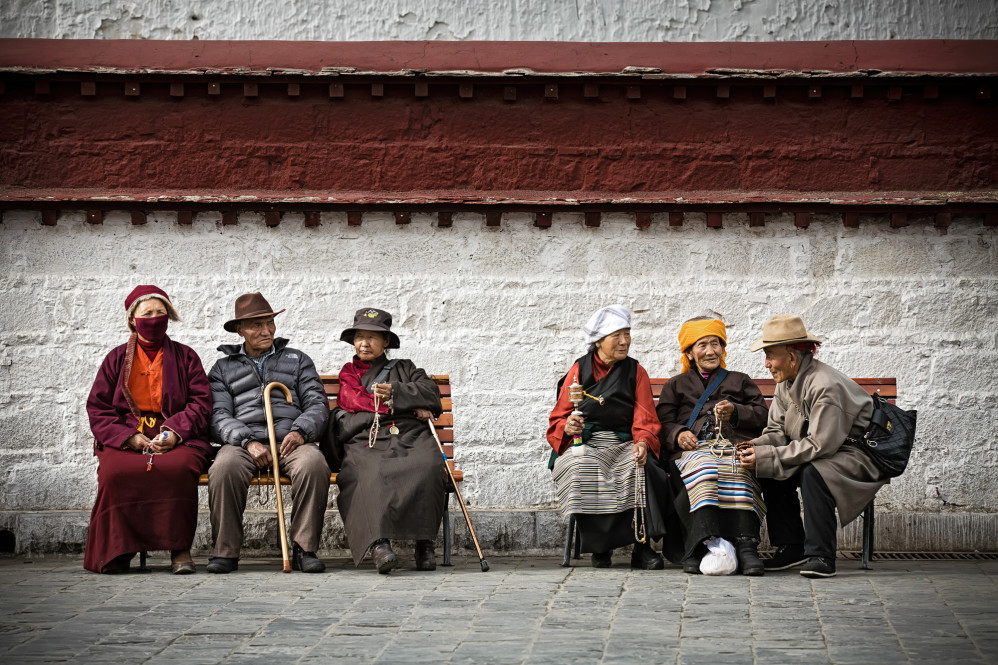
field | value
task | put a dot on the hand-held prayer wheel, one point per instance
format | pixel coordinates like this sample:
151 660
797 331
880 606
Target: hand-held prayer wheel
575 396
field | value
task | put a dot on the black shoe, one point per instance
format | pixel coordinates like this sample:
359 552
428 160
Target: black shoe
222 565
384 558
426 555
119 565
602 559
748 558
691 565
645 558
819 566
787 556
304 561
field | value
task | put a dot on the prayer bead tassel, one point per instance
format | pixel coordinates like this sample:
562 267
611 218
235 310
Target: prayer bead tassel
372 436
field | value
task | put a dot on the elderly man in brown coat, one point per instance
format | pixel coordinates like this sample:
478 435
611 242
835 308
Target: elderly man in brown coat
816 416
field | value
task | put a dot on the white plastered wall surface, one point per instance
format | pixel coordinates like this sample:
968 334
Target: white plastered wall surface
517 20
499 310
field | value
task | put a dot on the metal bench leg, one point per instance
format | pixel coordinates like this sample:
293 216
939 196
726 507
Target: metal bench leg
868 525
447 534
142 563
578 540
569 533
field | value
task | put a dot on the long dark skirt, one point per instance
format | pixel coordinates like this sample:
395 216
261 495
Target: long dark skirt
394 490
603 533
138 510
709 521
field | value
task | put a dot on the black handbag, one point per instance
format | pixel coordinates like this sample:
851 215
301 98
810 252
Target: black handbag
889 437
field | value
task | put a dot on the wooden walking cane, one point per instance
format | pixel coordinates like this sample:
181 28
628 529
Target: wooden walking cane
481 558
277 470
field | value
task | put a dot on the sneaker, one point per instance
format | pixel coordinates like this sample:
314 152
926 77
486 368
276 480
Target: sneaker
221 565
645 558
307 562
787 556
601 559
819 566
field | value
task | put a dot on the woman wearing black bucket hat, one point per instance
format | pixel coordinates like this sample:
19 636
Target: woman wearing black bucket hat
391 484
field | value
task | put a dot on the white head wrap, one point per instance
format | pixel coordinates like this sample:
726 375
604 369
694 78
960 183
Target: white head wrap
605 321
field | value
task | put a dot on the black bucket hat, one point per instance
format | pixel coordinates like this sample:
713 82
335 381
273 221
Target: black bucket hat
368 318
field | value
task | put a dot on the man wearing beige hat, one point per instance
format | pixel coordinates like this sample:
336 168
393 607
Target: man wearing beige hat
239 423
811 442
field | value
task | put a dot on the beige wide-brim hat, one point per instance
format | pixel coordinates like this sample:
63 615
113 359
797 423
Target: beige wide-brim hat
783 329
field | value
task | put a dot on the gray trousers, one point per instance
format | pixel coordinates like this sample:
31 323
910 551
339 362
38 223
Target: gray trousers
228 483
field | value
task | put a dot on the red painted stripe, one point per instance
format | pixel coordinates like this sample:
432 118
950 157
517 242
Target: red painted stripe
913 56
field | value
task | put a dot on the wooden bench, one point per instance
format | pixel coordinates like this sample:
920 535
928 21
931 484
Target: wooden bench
445 430
887 387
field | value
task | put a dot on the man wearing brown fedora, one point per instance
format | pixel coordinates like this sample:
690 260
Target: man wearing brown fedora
239 423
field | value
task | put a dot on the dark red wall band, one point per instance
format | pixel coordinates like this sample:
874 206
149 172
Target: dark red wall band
897 127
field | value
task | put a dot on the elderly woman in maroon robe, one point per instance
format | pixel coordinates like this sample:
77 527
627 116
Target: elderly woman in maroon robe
148 409
391 484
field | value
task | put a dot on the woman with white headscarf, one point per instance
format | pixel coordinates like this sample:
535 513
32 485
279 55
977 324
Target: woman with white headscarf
610 483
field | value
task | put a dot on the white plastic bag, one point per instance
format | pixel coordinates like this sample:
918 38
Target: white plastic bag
720 559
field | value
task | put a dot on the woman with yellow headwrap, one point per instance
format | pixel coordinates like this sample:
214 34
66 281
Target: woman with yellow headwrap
721 500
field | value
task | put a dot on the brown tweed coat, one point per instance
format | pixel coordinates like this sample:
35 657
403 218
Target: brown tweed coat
809 421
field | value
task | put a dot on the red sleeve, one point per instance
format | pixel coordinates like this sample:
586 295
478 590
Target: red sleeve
349 397
646 424
353 397
559 415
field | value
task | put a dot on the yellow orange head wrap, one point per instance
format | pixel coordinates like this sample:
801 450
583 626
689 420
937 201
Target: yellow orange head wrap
694 330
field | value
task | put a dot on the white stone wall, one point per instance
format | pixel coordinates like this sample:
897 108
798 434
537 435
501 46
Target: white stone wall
545 20
499 309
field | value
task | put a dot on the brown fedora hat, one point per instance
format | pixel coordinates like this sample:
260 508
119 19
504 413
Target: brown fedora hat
250 306
368 318
783 329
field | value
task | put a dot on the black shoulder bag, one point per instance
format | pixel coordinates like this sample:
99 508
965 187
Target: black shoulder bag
889 438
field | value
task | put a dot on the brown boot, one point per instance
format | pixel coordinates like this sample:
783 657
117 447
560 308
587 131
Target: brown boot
384 557
426 555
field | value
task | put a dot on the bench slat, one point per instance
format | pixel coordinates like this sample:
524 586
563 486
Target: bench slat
267 479
886 386
444 426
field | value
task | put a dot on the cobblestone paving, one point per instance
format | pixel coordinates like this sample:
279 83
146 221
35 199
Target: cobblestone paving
525 610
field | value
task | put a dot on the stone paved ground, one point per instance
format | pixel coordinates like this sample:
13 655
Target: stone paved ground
525 610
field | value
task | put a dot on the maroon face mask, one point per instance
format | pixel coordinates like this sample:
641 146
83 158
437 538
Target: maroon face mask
152 328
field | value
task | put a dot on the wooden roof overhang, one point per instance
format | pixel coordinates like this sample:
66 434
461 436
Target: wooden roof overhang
900 128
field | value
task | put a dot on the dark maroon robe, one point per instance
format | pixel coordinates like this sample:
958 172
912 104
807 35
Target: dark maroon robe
139 510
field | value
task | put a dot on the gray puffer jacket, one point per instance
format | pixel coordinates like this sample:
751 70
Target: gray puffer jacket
238 413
